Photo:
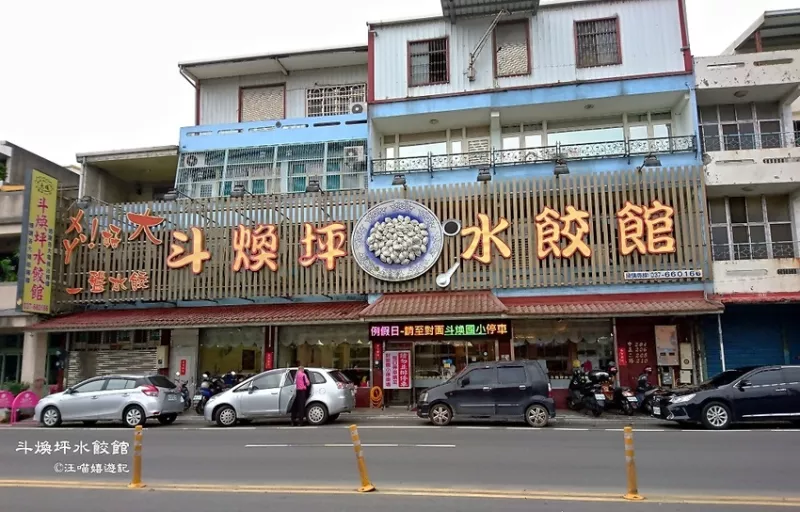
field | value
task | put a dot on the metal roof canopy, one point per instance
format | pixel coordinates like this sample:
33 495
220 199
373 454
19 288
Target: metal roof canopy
455 9
775 27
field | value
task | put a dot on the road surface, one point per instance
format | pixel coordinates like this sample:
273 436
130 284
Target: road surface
753 466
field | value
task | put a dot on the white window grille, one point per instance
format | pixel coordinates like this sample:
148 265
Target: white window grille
334 100
751 228
742 126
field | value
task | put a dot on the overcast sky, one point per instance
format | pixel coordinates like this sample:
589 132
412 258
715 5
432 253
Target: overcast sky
96 75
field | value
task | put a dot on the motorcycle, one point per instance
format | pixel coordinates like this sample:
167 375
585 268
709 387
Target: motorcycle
646 393
585 391
183 387
209 387
617 397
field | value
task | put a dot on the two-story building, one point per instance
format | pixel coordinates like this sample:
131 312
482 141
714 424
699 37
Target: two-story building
23 357
748 103
526 186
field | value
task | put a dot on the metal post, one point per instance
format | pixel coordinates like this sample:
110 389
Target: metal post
136 477
630 467
366 485
721 344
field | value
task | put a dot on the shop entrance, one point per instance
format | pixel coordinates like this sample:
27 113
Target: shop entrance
224 350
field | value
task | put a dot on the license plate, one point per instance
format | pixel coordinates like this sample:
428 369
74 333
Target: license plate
172 398
599 397
197 398
656 411
632 399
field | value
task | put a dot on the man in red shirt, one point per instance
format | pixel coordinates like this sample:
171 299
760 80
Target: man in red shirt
302 384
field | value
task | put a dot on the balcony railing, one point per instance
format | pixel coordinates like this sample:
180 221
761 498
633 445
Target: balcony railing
754 251
748 141
507 157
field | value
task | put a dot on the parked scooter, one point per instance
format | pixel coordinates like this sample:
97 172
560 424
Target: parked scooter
585 391
646 392
183 386
618 397
209 387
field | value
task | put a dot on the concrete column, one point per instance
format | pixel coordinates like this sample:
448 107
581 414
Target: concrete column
34 356
794 212
495 131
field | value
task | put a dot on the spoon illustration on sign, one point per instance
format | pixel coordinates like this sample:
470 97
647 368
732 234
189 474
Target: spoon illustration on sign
443 279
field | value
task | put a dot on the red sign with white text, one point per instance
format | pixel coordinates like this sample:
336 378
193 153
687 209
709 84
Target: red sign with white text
377 348
397 369
268 361
183 366
622 357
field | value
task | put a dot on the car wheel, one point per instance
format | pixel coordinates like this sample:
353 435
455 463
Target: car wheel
537 416
441 415
716 416
226 416
51 417
89 423
167 419
316 414
333 417
133 416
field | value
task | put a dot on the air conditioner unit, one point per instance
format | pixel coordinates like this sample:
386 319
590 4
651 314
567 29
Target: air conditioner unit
193 160
358 108
354 154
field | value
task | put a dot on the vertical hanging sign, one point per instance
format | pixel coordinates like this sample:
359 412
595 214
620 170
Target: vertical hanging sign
36 260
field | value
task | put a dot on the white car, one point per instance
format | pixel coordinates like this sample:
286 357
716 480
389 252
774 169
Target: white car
271 395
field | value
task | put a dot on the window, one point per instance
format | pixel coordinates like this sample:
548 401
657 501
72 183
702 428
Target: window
317 378
117 384
511 49
481 377
91 386
751 228
270 380
334 100
791 375
597 43
160 381
511 375
741 126
766 378
428 62
263 103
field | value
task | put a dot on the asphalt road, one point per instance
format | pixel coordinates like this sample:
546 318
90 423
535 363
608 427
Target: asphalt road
670 462
46 500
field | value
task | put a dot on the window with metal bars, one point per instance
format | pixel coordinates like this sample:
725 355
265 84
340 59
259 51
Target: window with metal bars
597 43
511 49
751 228
742 126
334 100
428 62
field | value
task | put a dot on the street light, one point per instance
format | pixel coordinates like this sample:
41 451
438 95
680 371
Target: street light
651 161
83 202
313 185
560 168
399 181
174 193
239 191
484 175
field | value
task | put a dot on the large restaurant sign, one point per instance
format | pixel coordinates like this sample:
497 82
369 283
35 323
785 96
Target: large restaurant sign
567 231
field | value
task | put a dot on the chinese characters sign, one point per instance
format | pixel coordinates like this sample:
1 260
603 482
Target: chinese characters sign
441 330
40 235
638 352
397 369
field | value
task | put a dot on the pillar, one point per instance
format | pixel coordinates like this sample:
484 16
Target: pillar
34 356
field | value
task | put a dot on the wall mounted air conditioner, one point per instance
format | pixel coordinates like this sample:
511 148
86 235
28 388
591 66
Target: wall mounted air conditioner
354 155
358 108
193 160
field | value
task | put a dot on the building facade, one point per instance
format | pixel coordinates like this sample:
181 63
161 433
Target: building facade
517 186
748 104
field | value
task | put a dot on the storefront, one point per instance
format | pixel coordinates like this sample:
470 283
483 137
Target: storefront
233 349
416 356
108 352
345 347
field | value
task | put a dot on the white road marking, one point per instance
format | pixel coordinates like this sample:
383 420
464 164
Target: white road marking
571 429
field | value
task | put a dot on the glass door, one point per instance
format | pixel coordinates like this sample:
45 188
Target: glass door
481 352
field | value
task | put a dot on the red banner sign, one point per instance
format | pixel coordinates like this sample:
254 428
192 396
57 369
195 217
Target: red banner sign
377 351
397 369
183 366
268 361
622 356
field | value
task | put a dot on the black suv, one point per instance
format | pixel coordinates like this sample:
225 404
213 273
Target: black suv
500 390
765 393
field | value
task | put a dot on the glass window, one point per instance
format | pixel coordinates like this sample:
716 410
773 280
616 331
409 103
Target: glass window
116 384
638 132
511 142
717 207
340 377
91 386
317 378
10 369
791 375
481 377
270 380
753 236
511 375
766 378
418 150
161 381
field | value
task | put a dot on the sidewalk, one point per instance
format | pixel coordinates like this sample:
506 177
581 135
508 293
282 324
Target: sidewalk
562 417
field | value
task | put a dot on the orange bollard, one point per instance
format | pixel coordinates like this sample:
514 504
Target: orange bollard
366 485
136 476
630 467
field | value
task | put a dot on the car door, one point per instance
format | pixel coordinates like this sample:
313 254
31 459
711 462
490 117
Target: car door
113 398
512 390
287 394
473 395
262 397
791 377
80 403
762 394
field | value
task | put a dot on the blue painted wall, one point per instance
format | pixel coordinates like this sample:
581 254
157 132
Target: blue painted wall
518 98
511 172
754 334
269 133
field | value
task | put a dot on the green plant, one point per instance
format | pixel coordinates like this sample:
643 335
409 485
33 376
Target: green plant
15 387
8 268
2 171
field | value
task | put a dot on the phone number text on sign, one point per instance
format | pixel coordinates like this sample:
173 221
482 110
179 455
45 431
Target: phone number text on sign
663 274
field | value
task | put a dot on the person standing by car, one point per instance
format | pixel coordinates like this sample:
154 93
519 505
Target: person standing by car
302 384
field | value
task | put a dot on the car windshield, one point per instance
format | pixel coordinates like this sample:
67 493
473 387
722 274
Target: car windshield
457 375
339 377
724 378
